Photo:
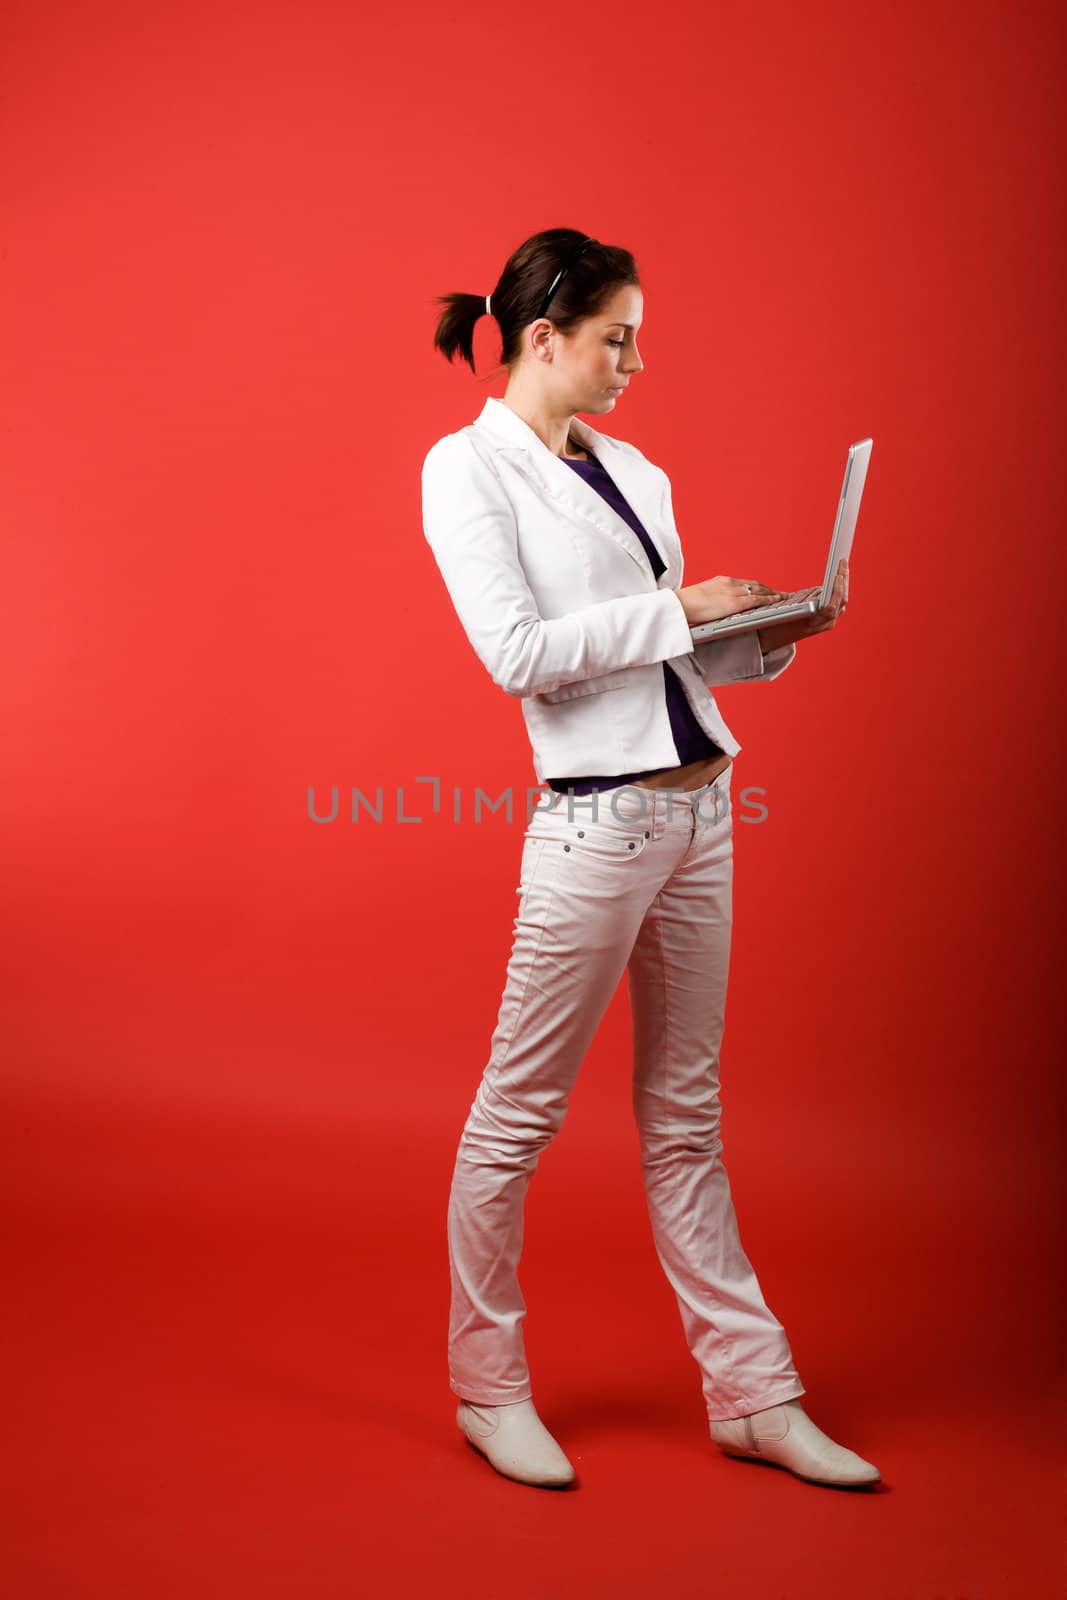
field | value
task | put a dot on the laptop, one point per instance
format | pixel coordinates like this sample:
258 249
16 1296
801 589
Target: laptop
805 601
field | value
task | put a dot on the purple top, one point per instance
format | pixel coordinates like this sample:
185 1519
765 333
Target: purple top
690 740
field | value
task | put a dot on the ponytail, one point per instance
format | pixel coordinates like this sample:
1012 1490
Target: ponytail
455 328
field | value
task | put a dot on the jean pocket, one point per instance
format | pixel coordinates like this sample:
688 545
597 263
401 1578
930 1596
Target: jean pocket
608 841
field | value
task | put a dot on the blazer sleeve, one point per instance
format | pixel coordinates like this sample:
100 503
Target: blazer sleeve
737 658
470 526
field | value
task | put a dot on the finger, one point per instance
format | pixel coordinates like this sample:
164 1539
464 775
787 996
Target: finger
759 594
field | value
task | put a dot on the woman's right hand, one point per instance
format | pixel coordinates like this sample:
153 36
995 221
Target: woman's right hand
722 597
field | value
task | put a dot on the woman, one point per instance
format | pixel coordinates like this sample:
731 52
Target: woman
558 548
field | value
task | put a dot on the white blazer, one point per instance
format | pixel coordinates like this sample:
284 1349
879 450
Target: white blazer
555 593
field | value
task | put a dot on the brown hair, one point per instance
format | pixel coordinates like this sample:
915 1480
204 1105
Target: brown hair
516 301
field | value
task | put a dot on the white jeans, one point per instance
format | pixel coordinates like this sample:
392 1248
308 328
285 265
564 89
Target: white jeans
644 885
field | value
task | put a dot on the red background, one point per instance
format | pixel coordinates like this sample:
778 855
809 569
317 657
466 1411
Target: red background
241 1047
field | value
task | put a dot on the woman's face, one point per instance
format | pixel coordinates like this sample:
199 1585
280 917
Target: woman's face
592 366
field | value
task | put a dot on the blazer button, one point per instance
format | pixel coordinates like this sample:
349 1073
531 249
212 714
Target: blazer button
581 833
566 847
647 834
632 846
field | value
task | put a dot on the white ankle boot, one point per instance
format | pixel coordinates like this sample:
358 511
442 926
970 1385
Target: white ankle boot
516 1442
786 1435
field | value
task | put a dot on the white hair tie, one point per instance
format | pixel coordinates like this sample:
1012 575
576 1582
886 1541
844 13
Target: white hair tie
488 307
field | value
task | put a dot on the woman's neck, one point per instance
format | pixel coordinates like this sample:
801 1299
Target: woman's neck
553 432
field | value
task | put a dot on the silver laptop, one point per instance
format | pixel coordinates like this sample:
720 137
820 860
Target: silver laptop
805 601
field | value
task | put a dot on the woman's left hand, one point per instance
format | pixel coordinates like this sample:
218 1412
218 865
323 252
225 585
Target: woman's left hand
791 632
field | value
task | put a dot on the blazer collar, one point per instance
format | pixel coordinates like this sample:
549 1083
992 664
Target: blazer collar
642 489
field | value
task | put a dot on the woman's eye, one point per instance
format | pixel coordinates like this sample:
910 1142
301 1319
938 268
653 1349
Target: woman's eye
619 342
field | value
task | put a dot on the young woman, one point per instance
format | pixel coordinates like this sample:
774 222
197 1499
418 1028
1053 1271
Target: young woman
558 548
